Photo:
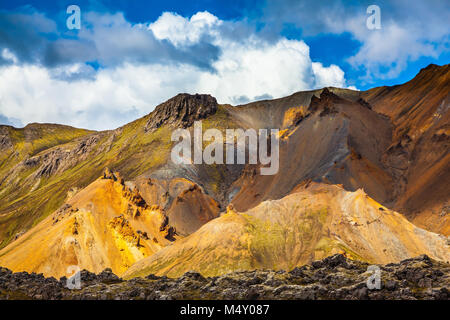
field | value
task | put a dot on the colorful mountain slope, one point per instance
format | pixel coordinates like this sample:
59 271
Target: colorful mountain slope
392 142
109 224
37 182
334 140
419 155
313 222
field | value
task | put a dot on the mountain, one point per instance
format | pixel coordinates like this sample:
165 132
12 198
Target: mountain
109 224
40 168
332 139
388 147
27 158
313 222
418 154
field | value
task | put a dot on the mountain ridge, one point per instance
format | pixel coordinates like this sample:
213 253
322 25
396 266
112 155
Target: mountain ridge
391 142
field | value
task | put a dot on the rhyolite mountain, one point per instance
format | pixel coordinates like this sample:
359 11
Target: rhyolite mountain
365 174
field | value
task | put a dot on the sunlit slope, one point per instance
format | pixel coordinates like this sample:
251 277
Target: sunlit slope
34 138
392 141
313 222
18 159
105 225
111 224
37 183
17 145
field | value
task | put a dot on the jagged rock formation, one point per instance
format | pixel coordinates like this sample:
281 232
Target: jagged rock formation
325 102
335 277
182 110
110 224
391 141
185 203
105 225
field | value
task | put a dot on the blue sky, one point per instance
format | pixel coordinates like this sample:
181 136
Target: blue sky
130 56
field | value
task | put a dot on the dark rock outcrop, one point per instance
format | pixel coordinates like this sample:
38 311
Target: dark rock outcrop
115 176
325 104
182 110
59 159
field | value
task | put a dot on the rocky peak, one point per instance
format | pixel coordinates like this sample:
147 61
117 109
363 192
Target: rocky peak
431 67
325 103
182 110
431 75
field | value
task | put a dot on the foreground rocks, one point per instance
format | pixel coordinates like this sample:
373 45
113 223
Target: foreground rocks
335 277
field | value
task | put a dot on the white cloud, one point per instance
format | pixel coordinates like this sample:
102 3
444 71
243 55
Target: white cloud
409 29
182 31
331 76
9 56
258 69
385 53
251 67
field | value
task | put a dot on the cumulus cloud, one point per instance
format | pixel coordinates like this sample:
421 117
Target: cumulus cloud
409 29
332 76
149 63
107 39
181 31
24 33
251 68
